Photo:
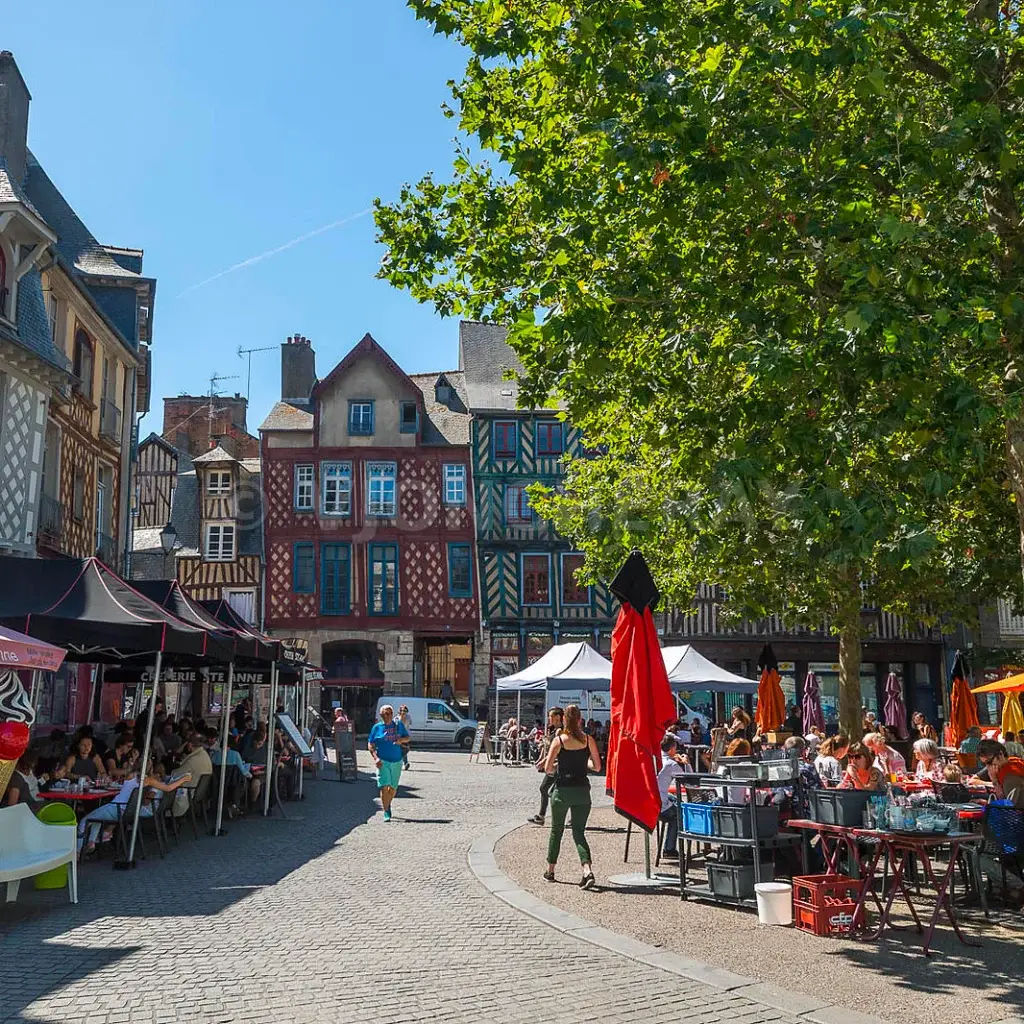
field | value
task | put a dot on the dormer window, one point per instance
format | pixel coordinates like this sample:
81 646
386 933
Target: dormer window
443 391
83 364
220 543
5 288
408 419
218 482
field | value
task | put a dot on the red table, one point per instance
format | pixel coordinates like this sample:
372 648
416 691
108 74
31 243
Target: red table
72 796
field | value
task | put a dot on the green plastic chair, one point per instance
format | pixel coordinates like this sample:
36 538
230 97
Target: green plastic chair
55 813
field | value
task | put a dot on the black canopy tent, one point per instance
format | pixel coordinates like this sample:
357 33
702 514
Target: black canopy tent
267 650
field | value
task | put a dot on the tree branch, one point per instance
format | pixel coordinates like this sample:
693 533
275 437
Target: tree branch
923 62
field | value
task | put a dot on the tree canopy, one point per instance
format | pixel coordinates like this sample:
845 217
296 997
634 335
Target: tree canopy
769 254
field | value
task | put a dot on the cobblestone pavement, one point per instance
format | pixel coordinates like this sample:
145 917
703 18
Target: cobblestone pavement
335 917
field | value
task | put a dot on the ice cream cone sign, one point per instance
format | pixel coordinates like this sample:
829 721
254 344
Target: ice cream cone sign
16 718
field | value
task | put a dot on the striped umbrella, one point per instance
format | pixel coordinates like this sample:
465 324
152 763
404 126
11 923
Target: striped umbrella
812 713
895 708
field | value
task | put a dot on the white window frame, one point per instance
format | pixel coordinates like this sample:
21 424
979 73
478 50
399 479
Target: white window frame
218 482
377 476
223 550
304 481
246 591
454 483
337 477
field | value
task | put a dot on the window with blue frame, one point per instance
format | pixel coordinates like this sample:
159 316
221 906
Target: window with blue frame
303 576
460 573
517 504
550 437
335 578
383 571
503 439
381 480
408 418
336 488
454 484
360 417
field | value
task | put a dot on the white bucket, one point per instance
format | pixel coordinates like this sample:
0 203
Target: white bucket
774 902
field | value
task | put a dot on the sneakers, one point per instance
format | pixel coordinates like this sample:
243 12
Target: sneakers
537 819
670 855
387 815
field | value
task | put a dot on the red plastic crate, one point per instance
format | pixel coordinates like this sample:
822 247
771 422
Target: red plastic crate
825 904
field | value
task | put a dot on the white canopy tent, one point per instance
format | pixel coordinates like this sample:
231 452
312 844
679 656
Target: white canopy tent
575 666
688 669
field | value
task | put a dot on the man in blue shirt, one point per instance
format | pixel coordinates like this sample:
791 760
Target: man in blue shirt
386 744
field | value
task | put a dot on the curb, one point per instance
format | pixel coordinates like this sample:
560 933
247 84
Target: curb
484 866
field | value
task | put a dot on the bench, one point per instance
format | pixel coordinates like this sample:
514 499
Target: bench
28 847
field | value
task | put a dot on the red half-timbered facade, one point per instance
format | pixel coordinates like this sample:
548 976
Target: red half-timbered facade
368 524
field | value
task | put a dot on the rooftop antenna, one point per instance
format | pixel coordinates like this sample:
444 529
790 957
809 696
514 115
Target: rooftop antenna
215 379
242 352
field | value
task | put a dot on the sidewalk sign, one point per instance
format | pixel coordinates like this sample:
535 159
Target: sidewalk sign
345 751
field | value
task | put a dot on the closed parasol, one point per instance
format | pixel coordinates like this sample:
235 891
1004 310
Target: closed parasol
963 709
895 708
813 716
771 701
1013 716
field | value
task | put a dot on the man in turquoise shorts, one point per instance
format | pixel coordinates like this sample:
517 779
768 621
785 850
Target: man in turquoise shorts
388 739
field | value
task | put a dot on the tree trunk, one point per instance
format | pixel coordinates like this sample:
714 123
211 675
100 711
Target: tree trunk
1015 468
848 622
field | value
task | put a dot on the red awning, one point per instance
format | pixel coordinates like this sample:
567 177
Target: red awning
20 651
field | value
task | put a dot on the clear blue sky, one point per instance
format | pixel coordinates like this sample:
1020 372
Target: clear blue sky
207 133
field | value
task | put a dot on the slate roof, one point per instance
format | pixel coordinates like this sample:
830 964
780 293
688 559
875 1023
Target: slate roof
12 192
444 424
34 324
217 454
75 242
146 538
484 356
285 416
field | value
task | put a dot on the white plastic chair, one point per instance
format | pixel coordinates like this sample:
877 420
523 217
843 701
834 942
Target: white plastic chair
28 847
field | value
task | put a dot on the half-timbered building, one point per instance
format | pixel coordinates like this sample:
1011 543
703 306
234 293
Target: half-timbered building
369 526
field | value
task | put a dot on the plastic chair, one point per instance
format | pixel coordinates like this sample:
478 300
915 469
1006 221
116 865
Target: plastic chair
198 796
29 846
55 813
1003 829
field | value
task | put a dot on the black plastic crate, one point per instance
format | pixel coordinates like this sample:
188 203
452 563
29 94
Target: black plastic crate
737 880
839 806
733 822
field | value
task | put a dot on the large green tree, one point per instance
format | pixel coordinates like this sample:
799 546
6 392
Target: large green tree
769 253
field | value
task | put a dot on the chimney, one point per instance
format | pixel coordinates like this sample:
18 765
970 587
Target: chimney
298 369
14 101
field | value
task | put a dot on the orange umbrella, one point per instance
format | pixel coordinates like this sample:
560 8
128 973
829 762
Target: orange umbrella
771 701
1006 685
963 708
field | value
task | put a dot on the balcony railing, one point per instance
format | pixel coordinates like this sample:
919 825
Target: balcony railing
110 421
51 518
106 550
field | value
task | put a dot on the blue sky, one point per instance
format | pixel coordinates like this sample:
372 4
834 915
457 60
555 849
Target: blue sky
208 133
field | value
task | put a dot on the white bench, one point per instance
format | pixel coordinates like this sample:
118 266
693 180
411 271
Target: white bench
28 847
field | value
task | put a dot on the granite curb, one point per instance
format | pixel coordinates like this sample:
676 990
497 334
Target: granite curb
484 866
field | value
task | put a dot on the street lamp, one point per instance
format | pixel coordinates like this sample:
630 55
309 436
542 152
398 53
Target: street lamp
168 535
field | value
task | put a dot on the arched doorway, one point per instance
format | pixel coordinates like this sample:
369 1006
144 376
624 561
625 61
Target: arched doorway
353 679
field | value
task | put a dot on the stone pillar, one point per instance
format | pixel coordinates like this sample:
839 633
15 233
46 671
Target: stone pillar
480 670
398 658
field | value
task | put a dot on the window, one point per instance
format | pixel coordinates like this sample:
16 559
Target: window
503 439
536 579
78 496
335 578
360 418
383 579
51 312
460 574
550 437
220 543
83 363
101 504
455 485
517 504
302 569
243 602
572 591
439 713
4 292
304 487
109 378
336 484
218 481
380 488
409 418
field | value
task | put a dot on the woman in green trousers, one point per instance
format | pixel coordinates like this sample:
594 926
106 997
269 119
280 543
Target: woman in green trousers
571 753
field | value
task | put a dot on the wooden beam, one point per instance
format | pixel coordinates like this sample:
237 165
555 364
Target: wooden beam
29 261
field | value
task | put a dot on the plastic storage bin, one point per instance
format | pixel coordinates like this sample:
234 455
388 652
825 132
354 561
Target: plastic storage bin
737 880
839 806
733 822
698 819
826 904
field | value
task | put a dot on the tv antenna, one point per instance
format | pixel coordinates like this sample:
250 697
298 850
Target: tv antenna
242 352
215 379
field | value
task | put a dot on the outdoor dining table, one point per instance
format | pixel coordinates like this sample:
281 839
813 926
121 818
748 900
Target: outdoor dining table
898 849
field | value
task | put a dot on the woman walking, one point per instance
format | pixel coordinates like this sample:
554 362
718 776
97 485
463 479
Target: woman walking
571 752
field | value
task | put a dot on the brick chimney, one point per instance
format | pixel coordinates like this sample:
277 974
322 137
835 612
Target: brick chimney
14 101
298 369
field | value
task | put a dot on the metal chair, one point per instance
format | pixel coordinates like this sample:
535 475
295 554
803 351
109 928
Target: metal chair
1003 829
198 796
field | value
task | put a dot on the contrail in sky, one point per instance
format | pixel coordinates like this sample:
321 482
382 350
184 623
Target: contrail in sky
281 248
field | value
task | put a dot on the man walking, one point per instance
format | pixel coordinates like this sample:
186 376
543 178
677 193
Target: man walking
406 719
387 740
555 721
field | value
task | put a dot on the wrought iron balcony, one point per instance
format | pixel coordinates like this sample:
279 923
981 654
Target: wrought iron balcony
51 518
106 550
110 421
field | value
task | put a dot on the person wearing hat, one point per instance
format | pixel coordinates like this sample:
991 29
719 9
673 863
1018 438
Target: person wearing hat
386 744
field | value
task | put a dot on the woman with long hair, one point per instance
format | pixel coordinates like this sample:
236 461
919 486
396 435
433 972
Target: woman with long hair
572 752
829 762
740 726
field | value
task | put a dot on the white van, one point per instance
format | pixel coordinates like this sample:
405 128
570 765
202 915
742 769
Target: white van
433 721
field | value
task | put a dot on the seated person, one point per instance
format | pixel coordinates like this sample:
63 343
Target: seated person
89 827
681 731
971 740
929 763
195 764
673 764
1004 772
234 759
887 760
121 758
951 789
254 745
797 796
83 763
23 787
1013 747
829 762
736 794
861 772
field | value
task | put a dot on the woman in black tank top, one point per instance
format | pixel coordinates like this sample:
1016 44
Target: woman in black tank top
572 753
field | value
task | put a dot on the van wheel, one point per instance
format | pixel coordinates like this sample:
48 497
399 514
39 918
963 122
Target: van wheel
466 740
